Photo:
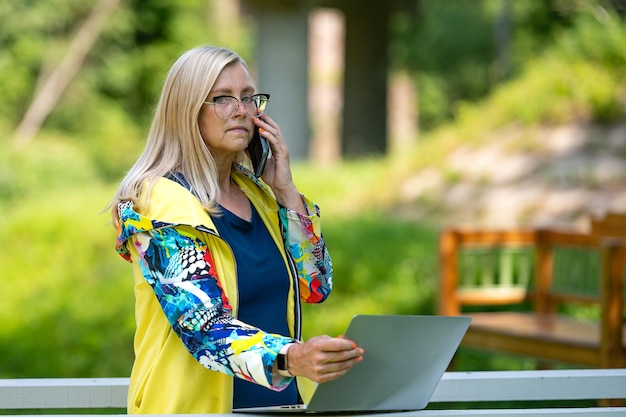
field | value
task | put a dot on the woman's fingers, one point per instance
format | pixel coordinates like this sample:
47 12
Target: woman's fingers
323 358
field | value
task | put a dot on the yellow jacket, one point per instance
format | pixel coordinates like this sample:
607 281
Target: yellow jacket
188 342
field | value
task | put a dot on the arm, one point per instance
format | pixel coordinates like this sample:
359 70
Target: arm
180 269
307 248
300 218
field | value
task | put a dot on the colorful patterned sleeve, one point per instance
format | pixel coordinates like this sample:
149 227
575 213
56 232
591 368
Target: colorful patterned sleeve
180 269
308 249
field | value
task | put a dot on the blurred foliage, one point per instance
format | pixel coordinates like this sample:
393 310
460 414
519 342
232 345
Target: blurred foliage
47 167
580 78
383 264
69 305
461 51
458 51
108 105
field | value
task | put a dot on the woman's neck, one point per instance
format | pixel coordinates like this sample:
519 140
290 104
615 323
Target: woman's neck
233 199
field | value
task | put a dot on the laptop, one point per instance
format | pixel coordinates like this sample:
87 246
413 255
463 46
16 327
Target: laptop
404 360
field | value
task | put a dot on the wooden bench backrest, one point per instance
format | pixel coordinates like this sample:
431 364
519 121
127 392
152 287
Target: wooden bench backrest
510 267
573 267
484 267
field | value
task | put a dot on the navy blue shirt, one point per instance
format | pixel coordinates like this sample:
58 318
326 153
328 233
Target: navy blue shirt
263 284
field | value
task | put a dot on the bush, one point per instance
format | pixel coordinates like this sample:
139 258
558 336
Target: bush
382 265
68 310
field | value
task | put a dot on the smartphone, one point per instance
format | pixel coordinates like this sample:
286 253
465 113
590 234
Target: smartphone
258 150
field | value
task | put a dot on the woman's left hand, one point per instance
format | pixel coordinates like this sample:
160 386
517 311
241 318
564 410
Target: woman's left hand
277 172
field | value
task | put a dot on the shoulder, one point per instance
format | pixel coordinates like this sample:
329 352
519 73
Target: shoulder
171 202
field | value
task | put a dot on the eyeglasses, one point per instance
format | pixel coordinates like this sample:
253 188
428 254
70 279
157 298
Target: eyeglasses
227 106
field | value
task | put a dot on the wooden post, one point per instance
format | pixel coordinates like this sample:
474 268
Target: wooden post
448 261
612 303
543 276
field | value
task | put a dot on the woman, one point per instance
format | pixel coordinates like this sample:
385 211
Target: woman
221 259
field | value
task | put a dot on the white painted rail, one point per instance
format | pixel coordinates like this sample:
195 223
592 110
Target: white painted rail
455 387
42 393
531 385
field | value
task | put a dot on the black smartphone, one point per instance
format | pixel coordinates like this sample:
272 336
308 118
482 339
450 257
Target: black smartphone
258 150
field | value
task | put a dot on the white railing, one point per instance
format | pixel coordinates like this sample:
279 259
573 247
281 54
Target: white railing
455 387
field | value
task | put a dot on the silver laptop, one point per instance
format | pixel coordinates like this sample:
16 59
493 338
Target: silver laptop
404 360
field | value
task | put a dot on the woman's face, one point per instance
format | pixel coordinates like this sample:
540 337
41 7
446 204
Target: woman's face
224 137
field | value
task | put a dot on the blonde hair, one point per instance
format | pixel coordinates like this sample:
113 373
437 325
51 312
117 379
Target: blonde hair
174 142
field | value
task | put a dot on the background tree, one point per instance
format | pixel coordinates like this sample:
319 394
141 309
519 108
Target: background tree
54 84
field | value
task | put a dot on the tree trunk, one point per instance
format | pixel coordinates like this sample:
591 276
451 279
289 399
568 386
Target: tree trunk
53 86
365 79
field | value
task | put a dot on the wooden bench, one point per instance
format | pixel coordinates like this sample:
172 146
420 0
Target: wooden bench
458 393
523 288
610 224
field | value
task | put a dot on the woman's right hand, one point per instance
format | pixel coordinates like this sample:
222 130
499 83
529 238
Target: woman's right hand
323 358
